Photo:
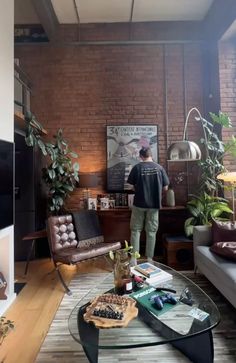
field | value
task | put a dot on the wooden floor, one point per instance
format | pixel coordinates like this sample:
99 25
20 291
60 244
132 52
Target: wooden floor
35 306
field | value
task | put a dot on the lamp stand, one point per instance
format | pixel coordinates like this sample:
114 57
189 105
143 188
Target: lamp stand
186 150
200 119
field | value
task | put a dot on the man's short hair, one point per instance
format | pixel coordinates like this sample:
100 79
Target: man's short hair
145 152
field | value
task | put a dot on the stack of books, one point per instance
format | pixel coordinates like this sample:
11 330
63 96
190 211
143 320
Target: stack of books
152 274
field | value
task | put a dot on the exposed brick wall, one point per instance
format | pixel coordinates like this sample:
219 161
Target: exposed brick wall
227 65
83 89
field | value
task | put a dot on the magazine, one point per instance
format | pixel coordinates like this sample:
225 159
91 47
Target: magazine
144 297
147 269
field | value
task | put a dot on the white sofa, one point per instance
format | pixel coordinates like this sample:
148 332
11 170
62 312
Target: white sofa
220 271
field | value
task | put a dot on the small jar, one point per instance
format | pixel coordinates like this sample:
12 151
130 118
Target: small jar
128 285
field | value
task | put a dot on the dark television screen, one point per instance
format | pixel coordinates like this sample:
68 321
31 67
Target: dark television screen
6 183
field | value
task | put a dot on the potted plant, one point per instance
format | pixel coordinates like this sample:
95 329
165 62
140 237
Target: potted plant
128 250
122 275
207 204
5 327
60 174
216 150
203 209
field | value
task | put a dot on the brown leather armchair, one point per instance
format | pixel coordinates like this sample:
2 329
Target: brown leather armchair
75 239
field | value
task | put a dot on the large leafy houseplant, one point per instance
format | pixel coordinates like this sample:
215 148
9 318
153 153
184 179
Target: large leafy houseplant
207 205
203 209
60 175
216 151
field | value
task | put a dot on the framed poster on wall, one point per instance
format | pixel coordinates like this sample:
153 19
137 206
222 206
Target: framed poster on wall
123 145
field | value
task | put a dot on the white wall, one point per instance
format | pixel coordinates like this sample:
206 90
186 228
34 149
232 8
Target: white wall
7 133
6 69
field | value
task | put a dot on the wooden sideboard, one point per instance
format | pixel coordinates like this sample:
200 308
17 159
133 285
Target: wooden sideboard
115 225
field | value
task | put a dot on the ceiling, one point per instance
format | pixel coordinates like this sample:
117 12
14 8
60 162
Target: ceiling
110 11
191 19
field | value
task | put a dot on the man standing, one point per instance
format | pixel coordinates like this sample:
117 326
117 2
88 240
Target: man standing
148 179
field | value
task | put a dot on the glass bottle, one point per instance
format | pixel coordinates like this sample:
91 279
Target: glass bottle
122 275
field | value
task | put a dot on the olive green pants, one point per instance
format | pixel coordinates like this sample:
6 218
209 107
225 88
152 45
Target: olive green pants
147 218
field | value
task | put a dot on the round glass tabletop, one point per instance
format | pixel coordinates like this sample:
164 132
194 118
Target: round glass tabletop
179 322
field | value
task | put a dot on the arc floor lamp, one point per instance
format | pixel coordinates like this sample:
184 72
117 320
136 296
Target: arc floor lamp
189 151
186 150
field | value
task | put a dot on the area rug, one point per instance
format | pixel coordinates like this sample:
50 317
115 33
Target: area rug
60 347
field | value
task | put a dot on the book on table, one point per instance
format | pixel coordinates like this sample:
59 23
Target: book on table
147 269
179 312
156 279
144 297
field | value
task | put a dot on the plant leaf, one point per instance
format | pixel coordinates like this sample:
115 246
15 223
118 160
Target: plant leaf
111 255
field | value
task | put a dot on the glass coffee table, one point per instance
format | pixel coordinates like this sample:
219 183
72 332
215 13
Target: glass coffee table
176 326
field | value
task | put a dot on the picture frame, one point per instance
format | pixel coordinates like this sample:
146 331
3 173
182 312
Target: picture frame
104 203
112 204
123 145
92 203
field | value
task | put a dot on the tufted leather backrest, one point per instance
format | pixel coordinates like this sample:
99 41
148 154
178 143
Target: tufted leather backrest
61 232
87 228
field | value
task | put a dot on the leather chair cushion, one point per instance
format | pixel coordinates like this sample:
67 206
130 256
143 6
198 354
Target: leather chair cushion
74 255
91 241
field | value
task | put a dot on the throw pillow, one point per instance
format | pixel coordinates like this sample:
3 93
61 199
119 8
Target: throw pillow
225 249
223 231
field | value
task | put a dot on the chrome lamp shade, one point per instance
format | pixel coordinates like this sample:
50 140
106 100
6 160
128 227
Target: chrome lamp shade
186 150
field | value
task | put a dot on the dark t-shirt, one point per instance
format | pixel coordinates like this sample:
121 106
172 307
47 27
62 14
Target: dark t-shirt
148 179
